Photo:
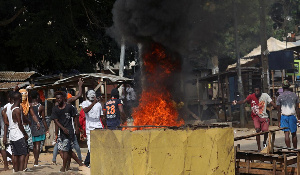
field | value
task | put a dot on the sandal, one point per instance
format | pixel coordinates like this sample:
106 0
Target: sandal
27 170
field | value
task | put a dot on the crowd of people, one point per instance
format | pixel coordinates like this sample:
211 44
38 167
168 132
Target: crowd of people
287 105
24 128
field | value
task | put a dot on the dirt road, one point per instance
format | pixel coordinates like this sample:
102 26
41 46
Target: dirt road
47 168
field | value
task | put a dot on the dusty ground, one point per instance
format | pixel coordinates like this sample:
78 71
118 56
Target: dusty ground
47 168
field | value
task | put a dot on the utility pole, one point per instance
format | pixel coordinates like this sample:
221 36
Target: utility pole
122 58
238 67
264 46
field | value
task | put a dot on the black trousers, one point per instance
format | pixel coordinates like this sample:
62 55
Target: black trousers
87 159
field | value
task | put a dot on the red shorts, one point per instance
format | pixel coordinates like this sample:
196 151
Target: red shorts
261 123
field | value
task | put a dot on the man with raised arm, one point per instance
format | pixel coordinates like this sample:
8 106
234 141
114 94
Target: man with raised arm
63 115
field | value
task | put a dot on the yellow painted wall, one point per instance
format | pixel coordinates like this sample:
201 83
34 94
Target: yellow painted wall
162 152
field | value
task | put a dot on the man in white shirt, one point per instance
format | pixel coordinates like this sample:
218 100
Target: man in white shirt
93 114
288 111
5 142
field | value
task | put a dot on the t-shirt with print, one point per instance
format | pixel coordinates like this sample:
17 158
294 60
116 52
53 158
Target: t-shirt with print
287 100
93 119
259 106
112 112
65 117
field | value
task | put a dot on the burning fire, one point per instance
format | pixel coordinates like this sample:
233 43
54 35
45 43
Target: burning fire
156 106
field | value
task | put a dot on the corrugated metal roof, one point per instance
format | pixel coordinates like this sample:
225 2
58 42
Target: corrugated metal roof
112 78
15 76
12 85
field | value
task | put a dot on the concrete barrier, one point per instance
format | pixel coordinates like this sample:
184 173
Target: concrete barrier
162 152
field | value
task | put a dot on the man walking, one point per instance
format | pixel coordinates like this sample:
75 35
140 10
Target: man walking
259 101
287 108
76 145
63 114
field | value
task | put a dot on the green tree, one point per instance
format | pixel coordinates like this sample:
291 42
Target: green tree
57 35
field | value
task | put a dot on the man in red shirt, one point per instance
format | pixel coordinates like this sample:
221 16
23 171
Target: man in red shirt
259 101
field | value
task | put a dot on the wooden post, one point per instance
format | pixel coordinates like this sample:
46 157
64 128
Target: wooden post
228 95
247 166
293 76
284 170
218 91
238 66
198 95
218 96
269 143
274 166
274 98
223 101
105 90
264 45
273 86
271 116
236 162
272 142
298 163
46 102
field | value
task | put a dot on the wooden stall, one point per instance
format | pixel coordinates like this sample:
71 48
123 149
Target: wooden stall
272 160
224 91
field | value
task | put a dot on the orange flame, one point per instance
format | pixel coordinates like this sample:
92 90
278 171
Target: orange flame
156 106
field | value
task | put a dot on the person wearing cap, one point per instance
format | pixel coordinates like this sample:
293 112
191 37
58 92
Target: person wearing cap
259 101
113 111
287 106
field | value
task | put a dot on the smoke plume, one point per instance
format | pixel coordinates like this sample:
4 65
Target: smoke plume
179 25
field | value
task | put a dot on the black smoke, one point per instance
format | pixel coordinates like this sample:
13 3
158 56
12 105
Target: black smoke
180 25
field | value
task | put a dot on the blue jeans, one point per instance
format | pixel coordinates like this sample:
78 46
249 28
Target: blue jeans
76 147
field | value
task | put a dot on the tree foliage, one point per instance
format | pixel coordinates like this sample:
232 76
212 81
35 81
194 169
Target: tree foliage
60 35
56 35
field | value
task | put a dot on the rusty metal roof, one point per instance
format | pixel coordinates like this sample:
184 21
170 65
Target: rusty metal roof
15 76
112 78
4 86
